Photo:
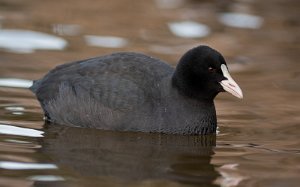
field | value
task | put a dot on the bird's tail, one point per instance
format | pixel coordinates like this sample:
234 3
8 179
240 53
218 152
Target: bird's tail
35 86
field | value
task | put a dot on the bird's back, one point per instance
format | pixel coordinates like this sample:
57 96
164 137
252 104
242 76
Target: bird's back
101 90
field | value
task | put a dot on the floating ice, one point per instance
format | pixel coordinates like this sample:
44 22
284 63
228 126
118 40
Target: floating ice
26 41
20 131
15 83
240 20
105 41
189 29
23 165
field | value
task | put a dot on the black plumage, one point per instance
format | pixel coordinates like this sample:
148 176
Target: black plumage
134 92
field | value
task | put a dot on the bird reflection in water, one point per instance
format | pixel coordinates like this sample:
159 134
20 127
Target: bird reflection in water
132 156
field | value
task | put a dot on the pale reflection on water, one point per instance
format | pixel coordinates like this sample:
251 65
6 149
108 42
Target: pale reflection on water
258 141
12 130
105 41
241 20
26 41
25 166
15 83
189 29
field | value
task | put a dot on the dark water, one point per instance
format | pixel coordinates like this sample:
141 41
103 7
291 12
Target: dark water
258 137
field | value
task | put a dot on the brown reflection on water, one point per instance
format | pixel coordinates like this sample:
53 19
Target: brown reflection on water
127 157
258 143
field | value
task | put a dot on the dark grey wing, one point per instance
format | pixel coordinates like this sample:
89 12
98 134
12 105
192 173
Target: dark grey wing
120 81
89 95
117 92
101 102
106 88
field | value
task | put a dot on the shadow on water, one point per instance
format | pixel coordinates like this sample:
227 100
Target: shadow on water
131 156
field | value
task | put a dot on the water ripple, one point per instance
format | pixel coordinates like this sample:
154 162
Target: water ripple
105 41
46 178
20 131
24 166
15 83
26 41
189 29
241 20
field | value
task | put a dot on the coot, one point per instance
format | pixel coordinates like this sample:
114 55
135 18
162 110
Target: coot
134 92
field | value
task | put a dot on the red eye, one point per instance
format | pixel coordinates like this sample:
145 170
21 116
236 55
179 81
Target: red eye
212 70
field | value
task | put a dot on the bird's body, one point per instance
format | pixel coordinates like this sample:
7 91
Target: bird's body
127 92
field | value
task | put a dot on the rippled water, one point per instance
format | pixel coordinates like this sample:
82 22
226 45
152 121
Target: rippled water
258 137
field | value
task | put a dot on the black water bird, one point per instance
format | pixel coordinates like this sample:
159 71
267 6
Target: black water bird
134 92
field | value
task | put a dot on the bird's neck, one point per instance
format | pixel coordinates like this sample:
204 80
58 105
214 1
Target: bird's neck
191 87
193 116
173 92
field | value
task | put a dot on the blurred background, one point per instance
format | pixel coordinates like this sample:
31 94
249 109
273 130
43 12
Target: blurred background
258 137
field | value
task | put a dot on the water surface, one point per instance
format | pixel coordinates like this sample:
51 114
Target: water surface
258 137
